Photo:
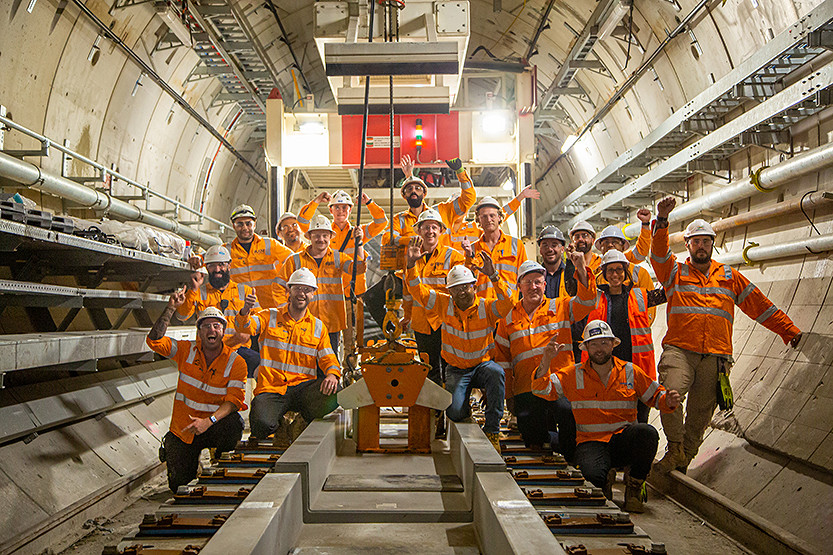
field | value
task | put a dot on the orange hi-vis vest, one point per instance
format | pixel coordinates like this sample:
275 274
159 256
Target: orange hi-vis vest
600 409
201 389
343 237
701 308
403 222
432 269
639 275
468 335
328 302
507 255
521 337
291 350
258 267
455 234
642 342
198 300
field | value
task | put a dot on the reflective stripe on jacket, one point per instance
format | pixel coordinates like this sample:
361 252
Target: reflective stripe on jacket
642 342
701 309
201 390
291 350
198 300
258 267
507 255
521 338
468 335
328 302
457 232
432 271
600 409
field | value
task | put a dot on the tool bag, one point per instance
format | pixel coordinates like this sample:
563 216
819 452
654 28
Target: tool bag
725 397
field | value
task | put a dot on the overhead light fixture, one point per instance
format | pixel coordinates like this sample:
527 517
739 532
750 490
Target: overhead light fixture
495 123
311 127
138 84
614 18
94 50
508 185
568 143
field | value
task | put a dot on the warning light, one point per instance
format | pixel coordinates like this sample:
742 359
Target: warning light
419 133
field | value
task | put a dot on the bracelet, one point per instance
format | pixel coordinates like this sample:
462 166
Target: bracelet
661 219
213 419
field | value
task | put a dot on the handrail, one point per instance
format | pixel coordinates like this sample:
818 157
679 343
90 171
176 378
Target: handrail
105 171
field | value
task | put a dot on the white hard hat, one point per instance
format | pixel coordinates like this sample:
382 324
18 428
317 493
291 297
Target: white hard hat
413 179
286 216
552 232
429 215
459 275
340 197
698 227
217 253
613 256
597 329
487 201
610 232
319 223
243 211
211 312
302 276
583 226
529 266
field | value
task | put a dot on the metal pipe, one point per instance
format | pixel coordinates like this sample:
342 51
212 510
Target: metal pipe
812 201
813 245
768 178
32 176
271 7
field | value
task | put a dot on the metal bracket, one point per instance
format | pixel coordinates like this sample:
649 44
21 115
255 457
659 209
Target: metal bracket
20 153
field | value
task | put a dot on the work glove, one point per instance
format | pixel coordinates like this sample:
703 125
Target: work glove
455 164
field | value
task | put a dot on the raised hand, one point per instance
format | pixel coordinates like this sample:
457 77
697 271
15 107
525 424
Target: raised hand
465 244
665 206
414 250
248 304
195 262
488 267
365 199
644 215
196 280
455 164
407 165
323 197
177 298
530 192
358 233
577 257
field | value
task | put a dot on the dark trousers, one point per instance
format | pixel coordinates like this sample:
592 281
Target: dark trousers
563 415
252 359
635 446
642 412
487 376
183 459
432 345
335 337
536 417
268 408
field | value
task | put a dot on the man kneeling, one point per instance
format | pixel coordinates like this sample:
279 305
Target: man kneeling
294 344
210 391
604 398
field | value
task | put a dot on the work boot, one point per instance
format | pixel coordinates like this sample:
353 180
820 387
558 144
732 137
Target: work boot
609 481
636 493
441 431
674 457
495 439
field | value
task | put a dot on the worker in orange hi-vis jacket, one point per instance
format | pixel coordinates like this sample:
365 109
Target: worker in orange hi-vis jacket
289 231
328 266
468 230
294 346
604 392
520 340
468 324
507 252
697 348
209 392
255 260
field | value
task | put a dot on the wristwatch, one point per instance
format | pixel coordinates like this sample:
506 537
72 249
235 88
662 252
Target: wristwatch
213 419
495 276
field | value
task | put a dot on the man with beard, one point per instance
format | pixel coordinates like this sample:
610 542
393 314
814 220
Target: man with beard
289 231
582 236
521 338
507 252
255 260
697 348
220 292
209 392
551 245
604 393
468 324
295 345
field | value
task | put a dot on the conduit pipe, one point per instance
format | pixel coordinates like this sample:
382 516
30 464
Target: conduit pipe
768 178
32 176
751 254
812 201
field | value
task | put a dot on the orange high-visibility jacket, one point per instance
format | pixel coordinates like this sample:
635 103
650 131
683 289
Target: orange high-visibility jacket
701 309
468 335
258 267
201 389
290 350
455 234
508 255
403 222
521 337
343 237
328 302
432 269
198 300
642 342
600 409
639 275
